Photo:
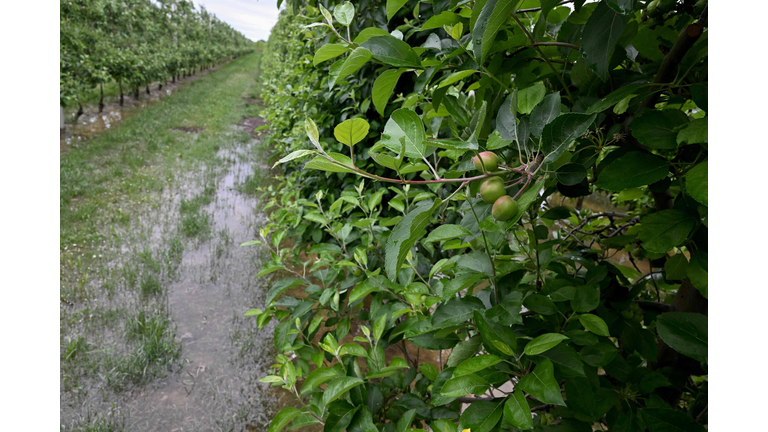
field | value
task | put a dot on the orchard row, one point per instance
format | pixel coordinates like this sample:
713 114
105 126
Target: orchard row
136 43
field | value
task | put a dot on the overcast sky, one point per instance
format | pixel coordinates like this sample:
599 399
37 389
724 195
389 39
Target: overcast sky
253 18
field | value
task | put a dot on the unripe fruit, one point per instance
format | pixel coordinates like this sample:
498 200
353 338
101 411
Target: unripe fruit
490 160
504 208
492 189
626 313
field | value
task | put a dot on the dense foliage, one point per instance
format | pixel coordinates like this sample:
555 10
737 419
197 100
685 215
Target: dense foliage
553 315
137 42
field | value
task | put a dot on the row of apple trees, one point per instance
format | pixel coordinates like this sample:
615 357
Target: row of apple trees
137 42
405 296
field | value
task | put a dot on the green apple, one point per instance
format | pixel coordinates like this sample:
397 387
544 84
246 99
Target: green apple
490 160
492 189
504 208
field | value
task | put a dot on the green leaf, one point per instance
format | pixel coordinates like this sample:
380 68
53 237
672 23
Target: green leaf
544 343
303 420
464 385
379 327
429 370
481 416
438 21
580 396
405 126
253 312
661 231
282 419
571 174
595 324
696 132
357 58
279 287
685 332
599 354
314 136
294 155
383 88
540 304
658 129
352 131
393 6
497 338
632 170
566 360
616 96
455 311
621 6
406 232
529 97
676 267
668 420
392 51
476 364
464 350
494 14
404 423
354 349
506 119
453 144
517 411
698 272
344 13
323 164
599 38
697 183
320 376
544 113
329 51
454 77
446 232
542 385
338 387
586 299
362 290
368 33
558 135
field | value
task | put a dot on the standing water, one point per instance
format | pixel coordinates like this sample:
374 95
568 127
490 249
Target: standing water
182 249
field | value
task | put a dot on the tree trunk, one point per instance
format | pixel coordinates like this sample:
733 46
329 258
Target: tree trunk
61 117
147 88
120 84
159 86
79 109
101 98
173 78
136 92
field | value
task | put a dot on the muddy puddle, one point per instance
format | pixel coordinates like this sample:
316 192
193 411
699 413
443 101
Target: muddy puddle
206 287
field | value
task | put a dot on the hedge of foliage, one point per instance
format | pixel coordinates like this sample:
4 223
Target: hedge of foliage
138 42
548 316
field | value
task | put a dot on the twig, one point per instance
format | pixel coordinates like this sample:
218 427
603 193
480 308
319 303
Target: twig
533 41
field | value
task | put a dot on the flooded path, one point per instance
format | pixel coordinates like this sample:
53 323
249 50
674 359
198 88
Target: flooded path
214 384
153 336
223 353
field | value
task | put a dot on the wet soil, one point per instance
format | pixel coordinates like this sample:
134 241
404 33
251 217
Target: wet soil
214 385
